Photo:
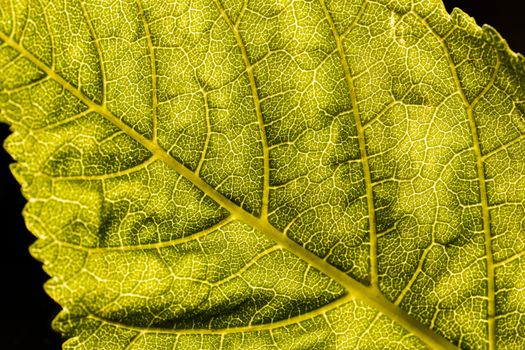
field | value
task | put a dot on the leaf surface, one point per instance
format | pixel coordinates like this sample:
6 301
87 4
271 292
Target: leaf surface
270 174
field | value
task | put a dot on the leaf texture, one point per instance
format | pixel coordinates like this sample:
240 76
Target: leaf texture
227 174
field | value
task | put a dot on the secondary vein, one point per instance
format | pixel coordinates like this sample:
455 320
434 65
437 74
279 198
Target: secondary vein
258 111
480 169
151 51
374 280
98 48
250 328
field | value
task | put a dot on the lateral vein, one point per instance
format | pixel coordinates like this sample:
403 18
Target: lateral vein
480 168
250 328
374 280
258 111
151 51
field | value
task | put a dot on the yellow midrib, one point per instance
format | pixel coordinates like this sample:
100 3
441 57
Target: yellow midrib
370 295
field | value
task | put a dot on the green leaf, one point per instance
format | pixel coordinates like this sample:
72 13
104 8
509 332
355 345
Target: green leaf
257 174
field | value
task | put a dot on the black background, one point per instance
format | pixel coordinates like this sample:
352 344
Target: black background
26 311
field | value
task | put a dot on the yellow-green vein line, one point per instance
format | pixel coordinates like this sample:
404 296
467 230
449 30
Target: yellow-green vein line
258 111
374 281
127 171
208 131
65 120
241 329
480 168
51 33
153 63
137 247
133 340
254 260
241 14
508 260
98 49
503 147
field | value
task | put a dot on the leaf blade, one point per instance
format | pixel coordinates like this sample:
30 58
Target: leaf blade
296 239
